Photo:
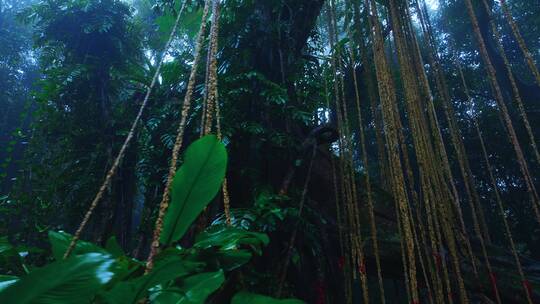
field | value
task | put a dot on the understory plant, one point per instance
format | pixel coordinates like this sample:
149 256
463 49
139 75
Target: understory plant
93 274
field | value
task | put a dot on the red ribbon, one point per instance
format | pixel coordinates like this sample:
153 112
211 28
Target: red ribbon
493 279
362 267
341 262
320 289
528 287
438 260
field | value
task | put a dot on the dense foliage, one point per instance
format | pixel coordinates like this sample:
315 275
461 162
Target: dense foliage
73 74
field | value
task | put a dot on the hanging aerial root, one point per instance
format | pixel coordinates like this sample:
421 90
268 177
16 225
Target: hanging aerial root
224 188
456 139
371 211
434 175
389 110
346 157
521 42
335 184
164 204
510 74
114 168
371 95
503 110
465 168
211 103
462 159
292 239
498 198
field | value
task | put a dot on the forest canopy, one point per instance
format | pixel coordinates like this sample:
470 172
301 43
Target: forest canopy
269 151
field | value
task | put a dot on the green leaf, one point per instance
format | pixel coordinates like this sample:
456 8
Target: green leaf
194 289
6 280
252 298
61 240
192 21
5 246
228 238
125 265
232 259
195 184
113 247
74 280
165 24
132 291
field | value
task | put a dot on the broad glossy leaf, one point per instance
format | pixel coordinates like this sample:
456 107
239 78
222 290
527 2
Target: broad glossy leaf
252 298
127 268
232 259
61 240
195 184
74 280
194 289
134 290
229 238
216 258
6 280
125 265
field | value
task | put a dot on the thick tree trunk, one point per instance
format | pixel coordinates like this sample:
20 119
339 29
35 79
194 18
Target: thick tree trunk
274 54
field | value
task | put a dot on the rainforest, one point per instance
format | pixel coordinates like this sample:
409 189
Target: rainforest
269 151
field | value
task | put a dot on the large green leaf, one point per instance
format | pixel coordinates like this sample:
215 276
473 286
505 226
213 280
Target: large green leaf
132 291
195 184
74 280
252 298
194 289
229 238
232 259
125 265
6 280
226 245
61 240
